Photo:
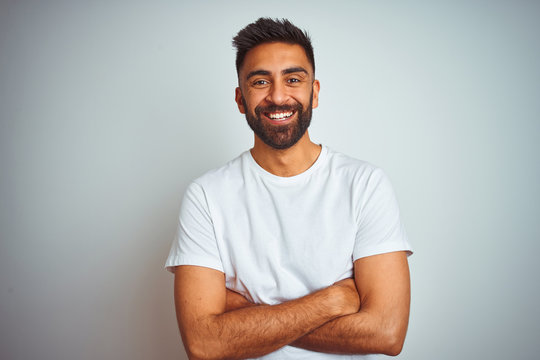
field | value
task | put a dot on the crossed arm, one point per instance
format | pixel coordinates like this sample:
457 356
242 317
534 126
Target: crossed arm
367 315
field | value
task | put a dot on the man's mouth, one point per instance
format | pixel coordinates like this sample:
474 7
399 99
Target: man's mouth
279 116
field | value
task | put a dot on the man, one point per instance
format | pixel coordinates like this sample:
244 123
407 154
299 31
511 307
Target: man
291 250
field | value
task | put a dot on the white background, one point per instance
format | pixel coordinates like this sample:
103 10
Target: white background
109 108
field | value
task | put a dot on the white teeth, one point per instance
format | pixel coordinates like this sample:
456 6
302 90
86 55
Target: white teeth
280 115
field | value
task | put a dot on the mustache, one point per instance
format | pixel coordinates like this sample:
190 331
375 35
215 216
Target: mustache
277 108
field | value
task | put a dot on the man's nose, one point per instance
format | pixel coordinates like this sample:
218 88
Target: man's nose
278 94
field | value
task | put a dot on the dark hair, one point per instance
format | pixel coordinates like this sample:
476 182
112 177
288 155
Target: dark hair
266 30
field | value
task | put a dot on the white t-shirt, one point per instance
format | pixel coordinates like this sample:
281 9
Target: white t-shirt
280 238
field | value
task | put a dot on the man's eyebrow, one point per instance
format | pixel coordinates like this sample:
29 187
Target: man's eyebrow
294 70
257 72
283 72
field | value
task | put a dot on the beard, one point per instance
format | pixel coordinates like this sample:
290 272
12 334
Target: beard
280 136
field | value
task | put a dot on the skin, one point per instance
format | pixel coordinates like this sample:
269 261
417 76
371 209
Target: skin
381 324
366 315
280 89
209 332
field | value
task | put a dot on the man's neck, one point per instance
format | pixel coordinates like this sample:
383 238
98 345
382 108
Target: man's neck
288 162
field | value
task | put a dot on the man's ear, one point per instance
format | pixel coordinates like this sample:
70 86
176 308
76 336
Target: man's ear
238 99
316 88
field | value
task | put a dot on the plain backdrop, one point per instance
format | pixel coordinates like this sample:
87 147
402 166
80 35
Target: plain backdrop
109 108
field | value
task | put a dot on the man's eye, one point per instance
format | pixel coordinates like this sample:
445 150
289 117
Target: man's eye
293 80
260 82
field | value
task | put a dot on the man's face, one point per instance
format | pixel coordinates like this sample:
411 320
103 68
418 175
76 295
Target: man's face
277 93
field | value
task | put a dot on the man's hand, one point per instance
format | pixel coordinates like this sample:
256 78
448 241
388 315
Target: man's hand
210 332
352 300
381 324
236 301
216 322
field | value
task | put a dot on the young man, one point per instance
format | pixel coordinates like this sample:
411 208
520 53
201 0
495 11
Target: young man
291 250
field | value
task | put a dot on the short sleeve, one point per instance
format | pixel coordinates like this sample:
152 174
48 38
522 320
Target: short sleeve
195 241
380 229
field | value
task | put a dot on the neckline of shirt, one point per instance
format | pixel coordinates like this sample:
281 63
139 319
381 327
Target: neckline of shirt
289 180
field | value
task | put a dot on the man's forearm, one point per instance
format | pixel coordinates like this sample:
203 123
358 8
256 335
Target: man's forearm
381 324
360 333
259 330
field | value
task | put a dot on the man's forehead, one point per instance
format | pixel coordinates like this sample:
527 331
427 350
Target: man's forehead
275 57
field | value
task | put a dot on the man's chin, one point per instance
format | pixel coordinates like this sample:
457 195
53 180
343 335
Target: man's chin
279 135
282 140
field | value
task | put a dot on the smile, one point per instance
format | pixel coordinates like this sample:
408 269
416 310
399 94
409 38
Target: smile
279 116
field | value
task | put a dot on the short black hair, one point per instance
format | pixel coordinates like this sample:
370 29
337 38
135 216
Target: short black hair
266 30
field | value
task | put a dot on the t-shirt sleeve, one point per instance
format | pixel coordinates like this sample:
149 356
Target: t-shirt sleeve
380 229
195 241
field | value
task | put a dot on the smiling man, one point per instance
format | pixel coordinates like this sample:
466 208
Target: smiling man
278 122
291 250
